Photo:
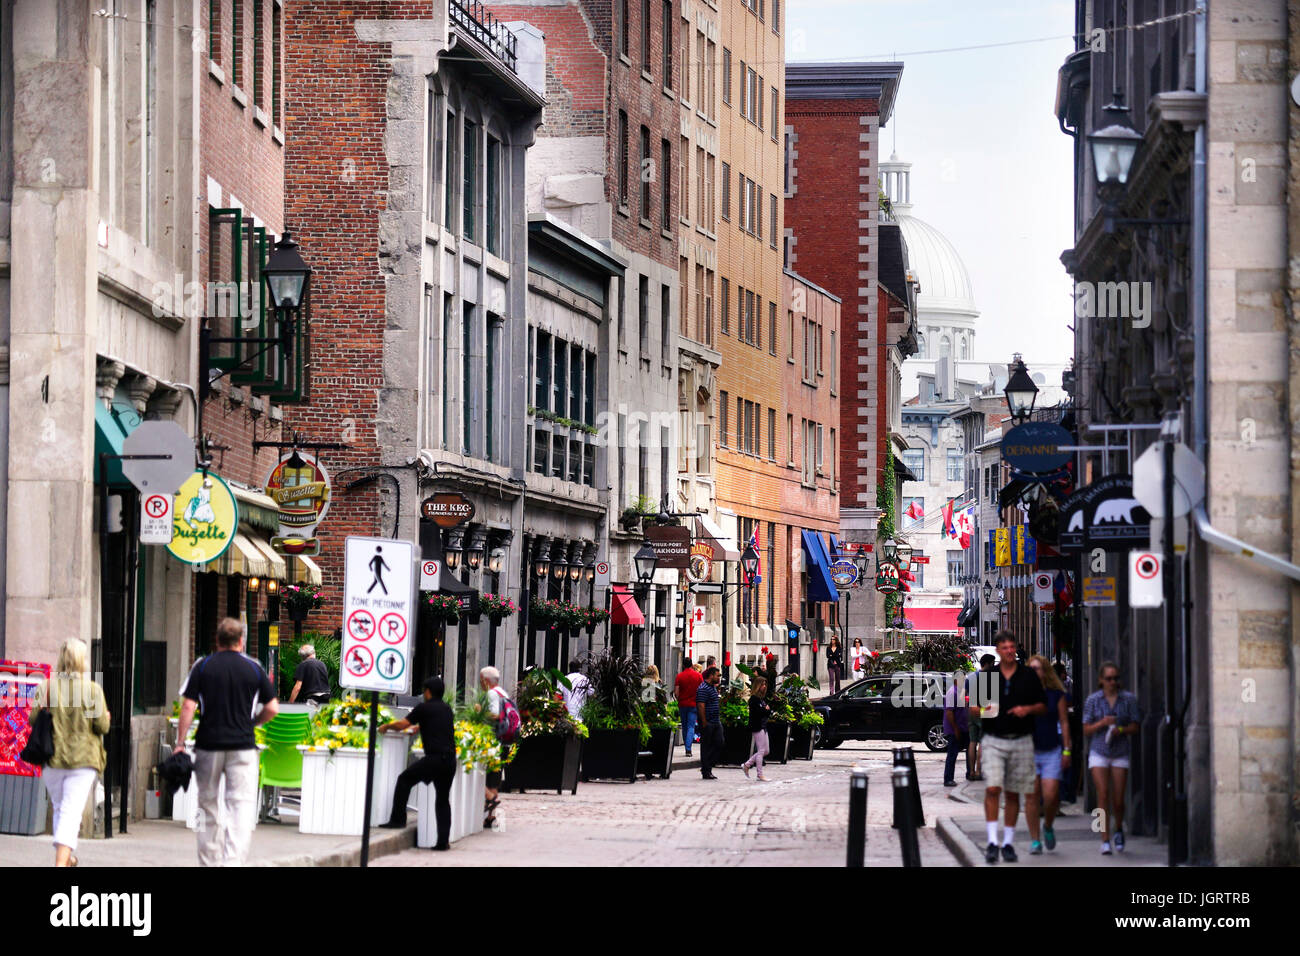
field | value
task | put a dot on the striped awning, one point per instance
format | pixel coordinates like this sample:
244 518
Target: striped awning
306 571
274 561
243 558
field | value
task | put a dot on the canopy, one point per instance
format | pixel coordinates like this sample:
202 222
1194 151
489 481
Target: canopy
243 557
111 429
623 608
466 596
934 619
725 543
820 585
306 570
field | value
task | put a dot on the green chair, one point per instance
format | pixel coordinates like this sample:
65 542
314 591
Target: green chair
280 765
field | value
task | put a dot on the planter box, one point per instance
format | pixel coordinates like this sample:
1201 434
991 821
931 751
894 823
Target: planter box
544 763
737 745
611 755
778 741
23 803
660 761
468 790
334 786
802 741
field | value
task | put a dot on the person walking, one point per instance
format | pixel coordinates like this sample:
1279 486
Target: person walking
858 655
489 681
976 685
1110 719
575 695
79 717
1051 757
235 696
956 726
759 711
835 663
1008 724
708 706
311 681
434 719
684 687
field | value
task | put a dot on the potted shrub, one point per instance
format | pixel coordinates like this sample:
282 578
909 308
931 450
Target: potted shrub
617 731
443 608
738 742
778 729
497 607
549 753
803 721
301 600
660 712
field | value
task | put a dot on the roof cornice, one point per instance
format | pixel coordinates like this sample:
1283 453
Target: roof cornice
845 81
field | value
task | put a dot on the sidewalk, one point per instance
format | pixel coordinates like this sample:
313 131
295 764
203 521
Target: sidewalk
1076 844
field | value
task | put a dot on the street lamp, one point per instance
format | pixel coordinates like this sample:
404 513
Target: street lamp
496 559
1021 391
287 275
645 561
889 550
575 572
272 586
988 592
558 568
1113 149
254 583
749 562
590 572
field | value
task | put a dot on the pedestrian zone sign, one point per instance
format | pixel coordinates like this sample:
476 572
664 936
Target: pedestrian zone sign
378 610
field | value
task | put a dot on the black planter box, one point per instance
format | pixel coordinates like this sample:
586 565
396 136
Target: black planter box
802 740
737 745
778 742
659 761
611 755
544 763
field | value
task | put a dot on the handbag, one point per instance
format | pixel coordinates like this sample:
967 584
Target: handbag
40 744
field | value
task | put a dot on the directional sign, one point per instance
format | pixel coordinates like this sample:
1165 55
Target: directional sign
602 574
156 519
161 475
378 607
430 575
1144 586
697 615
707 587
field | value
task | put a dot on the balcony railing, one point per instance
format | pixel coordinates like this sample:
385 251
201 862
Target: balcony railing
478 22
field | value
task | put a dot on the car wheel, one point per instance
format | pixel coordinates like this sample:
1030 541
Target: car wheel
828 742
936 739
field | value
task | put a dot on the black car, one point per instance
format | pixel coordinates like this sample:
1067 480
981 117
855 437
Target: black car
902 706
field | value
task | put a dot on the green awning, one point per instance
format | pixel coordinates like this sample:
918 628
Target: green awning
111 429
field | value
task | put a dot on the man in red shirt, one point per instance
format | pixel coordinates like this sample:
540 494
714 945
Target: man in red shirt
688 681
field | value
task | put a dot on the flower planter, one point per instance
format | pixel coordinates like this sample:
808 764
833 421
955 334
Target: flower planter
660 760
611 755
334 785
802 740
778 741
544 763
468 790
737 745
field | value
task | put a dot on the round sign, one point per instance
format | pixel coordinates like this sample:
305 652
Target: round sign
359 661
301 487
602 567
844 574
1034 447
392 628
361 624
155 506
430 568
1042 581
1147 566
204 520
390 664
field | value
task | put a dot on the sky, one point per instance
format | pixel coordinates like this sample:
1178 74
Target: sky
991 168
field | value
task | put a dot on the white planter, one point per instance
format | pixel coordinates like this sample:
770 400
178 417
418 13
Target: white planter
185 803
467 794
334 786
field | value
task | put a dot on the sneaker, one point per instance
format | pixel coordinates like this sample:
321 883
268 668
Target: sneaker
762 778
1049 837
745 767
991 853
688 754
1119 841
1008 853
950 783
1105 848
1035 848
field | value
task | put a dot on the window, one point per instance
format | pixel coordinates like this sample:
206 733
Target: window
776 112
668 43
740 313
771 434
790 338
621 489
490 386
590 398
758 98
277 26
622 155
726 191
701 74
684 182
740 424
431 155
643 315
710 218
576 368
820 338
701 215
470 185
467 384
710 78
643 459
624 12
665 314
449 167
914 459
622 308
645 35
722 420
771 220
954 464
789 164
820 433
646 174
237 43
834 457
708 307
699 303
758 321
725 307
665 188
744 73
665 446
756 217
686 60
752 426
448 331
259 55
789 440
956 563
807 349
726 76
493 189
214 30
684 294
776 16
559 378
771 324
749 317
835 362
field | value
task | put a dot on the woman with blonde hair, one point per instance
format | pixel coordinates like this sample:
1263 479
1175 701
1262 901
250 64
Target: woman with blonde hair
80 718
1051 759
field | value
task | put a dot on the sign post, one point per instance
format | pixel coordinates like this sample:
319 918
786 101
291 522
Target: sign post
378 605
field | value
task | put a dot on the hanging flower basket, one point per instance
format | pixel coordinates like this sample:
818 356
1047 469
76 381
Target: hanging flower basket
593 616
557 614
497 607
442 608
302 599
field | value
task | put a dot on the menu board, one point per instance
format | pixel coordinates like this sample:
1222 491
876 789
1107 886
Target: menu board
18 683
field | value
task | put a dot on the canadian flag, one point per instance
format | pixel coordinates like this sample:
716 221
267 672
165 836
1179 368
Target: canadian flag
966 526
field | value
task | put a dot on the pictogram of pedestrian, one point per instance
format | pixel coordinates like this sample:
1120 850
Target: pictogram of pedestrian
378 567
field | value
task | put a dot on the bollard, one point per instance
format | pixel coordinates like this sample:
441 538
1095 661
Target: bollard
903 757
857 817
903 781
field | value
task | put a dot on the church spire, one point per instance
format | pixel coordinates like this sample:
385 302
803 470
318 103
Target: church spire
896 183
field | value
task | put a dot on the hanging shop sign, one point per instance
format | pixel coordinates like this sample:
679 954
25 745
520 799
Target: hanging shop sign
887 578
1001 547
844 573
700 564
205 518
671 544
300 485
1034 447
447 509
1104 514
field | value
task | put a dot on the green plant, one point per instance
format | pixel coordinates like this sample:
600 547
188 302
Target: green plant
885 527
554 613
541 705
443 608
598 716
329 651
659 711
349 713
616 684
477 745
302 598
644 505
940 652
497 605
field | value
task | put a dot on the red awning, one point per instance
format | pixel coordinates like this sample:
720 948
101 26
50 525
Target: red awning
623 609
934 618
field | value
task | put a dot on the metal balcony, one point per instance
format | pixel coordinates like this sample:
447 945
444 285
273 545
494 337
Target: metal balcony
475 20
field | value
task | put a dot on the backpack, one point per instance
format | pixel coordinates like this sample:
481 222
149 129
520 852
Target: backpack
508 720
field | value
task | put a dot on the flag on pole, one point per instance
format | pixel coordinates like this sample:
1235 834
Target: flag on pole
753 540
948 528
1061 590
915 511
966 526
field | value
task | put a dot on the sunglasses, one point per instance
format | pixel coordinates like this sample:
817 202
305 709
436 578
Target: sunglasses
1115 677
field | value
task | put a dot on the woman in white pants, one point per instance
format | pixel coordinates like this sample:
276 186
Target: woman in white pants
80 716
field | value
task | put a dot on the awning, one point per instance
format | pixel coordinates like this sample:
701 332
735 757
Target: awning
934 619
623 608
274 561
111 429
725 544
306 570
820 585
836 551
258 509
466 596
243 558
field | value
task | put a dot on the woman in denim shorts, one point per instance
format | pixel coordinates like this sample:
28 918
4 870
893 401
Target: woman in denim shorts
1110 718
1050 758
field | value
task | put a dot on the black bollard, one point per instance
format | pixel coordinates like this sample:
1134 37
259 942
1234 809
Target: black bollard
857 817
903 757
905 780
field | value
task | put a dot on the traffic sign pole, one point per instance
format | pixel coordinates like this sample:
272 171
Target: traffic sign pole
370 778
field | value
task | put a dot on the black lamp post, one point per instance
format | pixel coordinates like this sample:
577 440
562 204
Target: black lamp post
889 550
645 561
988 593
749 563
1021 391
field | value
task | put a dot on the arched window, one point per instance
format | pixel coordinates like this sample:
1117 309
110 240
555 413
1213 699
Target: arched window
965 347
945 347
920 347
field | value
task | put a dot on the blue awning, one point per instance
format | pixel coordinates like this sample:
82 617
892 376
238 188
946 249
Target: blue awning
111 429
820 585
836 551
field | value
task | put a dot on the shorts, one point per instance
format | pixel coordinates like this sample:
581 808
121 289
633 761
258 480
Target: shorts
494 780
1008 763
1097 760
1047 764
976 731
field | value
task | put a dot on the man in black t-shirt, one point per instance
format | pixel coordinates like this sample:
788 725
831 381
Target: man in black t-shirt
438 766
311 681
1007 708
234 695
